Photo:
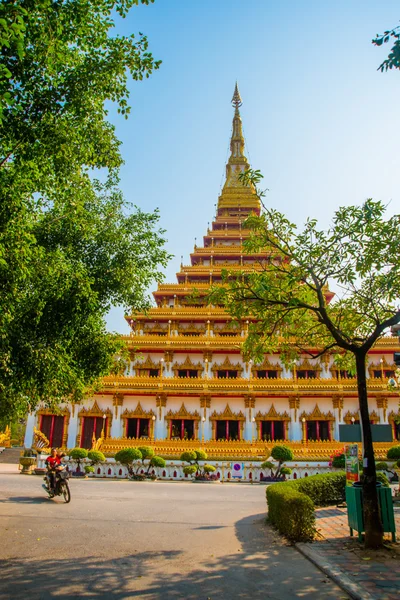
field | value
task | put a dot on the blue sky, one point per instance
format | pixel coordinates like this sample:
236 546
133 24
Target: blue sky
320 121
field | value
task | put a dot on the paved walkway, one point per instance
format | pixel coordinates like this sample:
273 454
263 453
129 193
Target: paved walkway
365 574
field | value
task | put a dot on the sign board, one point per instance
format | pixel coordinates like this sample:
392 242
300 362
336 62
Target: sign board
352 433
237 470
352 464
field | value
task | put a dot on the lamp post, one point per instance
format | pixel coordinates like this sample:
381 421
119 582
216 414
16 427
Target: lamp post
253 421
206 367
203 420
104 424
153 418
381 361
161 367
352 420
294 371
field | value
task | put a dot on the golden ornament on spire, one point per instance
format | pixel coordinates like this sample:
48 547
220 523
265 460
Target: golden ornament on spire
236 98
234 194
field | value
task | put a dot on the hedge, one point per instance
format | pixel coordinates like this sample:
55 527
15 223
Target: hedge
291 504
291 512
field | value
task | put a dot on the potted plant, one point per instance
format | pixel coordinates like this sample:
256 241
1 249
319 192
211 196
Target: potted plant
78 455
27 461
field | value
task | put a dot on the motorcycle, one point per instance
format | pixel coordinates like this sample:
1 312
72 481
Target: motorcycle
61 486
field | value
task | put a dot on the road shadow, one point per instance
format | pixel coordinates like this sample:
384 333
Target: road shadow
258 566
24 500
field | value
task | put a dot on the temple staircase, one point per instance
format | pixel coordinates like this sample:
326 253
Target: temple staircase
10 456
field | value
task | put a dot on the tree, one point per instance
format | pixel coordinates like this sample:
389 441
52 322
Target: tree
393 59
194 468
127 456
281 454
291 309
70 247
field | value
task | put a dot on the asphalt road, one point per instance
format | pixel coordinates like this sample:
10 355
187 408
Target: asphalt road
129 540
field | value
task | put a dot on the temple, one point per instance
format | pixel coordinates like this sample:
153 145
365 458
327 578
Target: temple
187 384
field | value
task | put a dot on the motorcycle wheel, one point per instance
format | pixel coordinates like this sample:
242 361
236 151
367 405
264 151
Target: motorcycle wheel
65 492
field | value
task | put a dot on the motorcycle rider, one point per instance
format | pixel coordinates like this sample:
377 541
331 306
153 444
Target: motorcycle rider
52 463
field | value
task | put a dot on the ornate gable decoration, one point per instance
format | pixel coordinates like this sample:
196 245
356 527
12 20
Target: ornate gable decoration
227 415
307 365
56 411
138 413
373 416
272 415
95 411
183 413
187 364
317 415
266 365
381 366
227 365
392 417
146 364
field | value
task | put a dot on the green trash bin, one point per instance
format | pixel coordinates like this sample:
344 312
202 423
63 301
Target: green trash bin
354 501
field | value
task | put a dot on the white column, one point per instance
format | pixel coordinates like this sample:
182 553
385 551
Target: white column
72 427
295 430
116 425
160 426
205 404
249 412
30 424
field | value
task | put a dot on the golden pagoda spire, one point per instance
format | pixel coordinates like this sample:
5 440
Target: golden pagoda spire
234 193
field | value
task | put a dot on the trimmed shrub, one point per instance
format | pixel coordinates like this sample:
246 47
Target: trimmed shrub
146 452
208 469
78 454
128 455
188 456
398 463
190 470
381 466
286 471
157 461
282 453
201 455
291 512
323 489
267 464
393 453
291 505
89 469
96 457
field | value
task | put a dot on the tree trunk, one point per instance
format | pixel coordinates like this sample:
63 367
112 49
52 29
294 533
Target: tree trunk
372 517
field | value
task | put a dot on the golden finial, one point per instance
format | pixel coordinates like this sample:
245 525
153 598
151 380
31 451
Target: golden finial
236 99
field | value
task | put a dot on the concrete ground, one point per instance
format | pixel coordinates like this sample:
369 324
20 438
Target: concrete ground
129 540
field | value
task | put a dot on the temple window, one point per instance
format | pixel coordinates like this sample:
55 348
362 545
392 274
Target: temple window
92 426
137 428
377 374
53 428
187 373
228 430
342 374
272 430
181 429
266 374
318 430
226 374
148 372
306 374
